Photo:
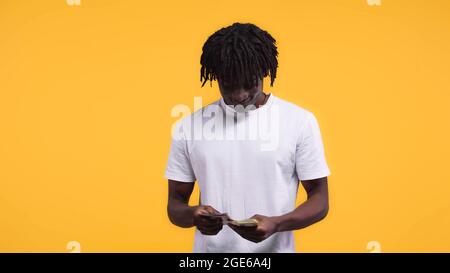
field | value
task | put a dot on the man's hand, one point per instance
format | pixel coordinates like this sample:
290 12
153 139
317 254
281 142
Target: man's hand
207 225
265 228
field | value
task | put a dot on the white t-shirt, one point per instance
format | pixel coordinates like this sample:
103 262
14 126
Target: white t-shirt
247 163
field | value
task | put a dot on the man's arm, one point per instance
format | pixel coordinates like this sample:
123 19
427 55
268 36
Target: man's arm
178 209
183 215
314 209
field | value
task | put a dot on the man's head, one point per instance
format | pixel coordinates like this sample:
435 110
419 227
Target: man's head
239 57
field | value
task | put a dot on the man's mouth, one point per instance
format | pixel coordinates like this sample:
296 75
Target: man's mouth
244 102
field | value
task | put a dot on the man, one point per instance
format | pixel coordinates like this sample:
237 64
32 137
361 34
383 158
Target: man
252 176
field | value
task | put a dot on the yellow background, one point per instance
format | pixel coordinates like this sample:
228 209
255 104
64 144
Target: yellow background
86 93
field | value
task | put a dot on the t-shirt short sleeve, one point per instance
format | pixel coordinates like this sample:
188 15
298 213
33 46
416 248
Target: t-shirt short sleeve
310 162
179 166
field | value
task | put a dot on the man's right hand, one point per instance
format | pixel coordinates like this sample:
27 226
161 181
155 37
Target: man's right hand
207 225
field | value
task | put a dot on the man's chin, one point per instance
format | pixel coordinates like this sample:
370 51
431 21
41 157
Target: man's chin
250 102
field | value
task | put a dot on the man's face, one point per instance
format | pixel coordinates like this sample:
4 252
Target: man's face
244 95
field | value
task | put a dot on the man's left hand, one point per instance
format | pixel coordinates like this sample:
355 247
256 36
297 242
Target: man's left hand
265 228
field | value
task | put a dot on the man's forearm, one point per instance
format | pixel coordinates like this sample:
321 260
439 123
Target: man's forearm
180 213
311 211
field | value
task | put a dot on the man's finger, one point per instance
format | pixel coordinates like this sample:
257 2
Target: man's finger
243 228
212 210
209 231
209 228
210 217
252 238
210 222
252 235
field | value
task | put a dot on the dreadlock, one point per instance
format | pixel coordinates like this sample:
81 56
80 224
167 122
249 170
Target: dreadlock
237 54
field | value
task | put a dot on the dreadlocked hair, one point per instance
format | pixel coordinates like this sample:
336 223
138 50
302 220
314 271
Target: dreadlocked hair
239 54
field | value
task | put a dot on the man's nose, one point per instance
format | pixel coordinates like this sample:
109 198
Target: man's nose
239 95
